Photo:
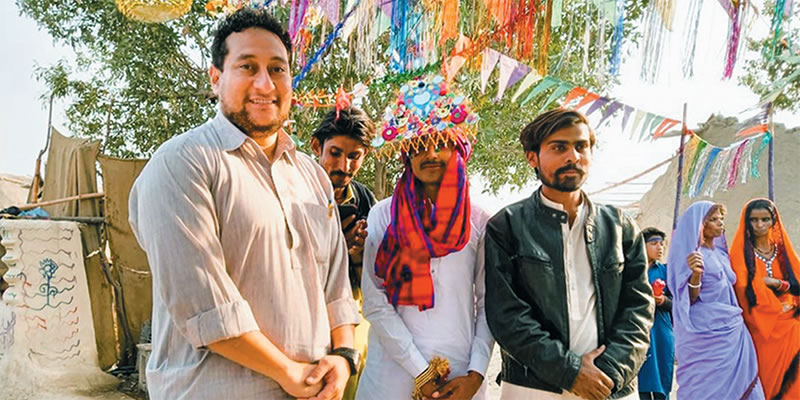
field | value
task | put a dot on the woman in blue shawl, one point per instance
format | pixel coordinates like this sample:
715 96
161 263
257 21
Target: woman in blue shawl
716 358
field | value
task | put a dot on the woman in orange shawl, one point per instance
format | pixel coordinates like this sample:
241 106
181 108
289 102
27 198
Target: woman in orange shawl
767 268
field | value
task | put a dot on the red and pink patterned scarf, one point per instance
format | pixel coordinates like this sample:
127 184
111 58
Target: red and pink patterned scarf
420 230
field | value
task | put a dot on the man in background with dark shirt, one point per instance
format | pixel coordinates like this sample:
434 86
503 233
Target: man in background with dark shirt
342 142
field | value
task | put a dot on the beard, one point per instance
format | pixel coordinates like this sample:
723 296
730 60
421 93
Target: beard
565 184
244 121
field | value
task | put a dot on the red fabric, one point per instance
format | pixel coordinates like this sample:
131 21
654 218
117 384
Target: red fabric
420 230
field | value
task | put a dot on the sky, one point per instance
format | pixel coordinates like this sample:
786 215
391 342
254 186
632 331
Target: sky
24 114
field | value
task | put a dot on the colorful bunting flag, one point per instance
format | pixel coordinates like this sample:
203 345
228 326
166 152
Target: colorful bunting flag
490 59
529 80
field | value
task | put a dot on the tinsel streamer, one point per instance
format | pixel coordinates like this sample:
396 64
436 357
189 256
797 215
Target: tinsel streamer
757 155
691 27
528 23
365 35
500 10
558 7
399 35
666 8
449 20
296 15
689 150
734 30
328 41
747 160
599 67
777 26
616 38
587 37
544 43
719 174
712 156
331 10
697 158
734 170
653 47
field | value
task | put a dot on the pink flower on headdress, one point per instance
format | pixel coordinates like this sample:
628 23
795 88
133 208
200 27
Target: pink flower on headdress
458 115
389 133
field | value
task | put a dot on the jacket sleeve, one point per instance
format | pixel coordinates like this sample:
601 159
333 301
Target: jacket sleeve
629 337
511 321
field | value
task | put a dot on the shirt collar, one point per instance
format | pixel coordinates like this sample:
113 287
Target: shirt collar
232 137
349 195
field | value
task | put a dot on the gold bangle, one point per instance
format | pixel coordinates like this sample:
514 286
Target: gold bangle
438 368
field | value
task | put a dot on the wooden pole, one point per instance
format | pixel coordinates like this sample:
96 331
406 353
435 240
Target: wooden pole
85 196
771 164
37 184
684 130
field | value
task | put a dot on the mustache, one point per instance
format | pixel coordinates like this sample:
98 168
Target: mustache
570 167
341 174
432 164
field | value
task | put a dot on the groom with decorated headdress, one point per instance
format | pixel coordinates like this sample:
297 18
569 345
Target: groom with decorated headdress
422 282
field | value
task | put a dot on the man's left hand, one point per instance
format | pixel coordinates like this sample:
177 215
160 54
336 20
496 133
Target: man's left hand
334 371
463 387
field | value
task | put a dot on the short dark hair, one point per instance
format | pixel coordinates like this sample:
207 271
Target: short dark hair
352 122
649 232
548 123
240 20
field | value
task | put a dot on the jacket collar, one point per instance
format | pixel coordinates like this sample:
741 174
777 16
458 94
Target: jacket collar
560 216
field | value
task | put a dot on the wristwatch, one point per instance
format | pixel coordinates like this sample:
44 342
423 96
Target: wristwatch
351 355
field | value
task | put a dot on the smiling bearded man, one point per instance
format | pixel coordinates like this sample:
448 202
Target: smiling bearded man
250 282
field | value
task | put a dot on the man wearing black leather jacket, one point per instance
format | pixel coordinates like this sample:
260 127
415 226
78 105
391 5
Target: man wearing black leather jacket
567 297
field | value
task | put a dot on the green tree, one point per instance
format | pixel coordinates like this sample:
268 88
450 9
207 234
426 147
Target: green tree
134 85
773 65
